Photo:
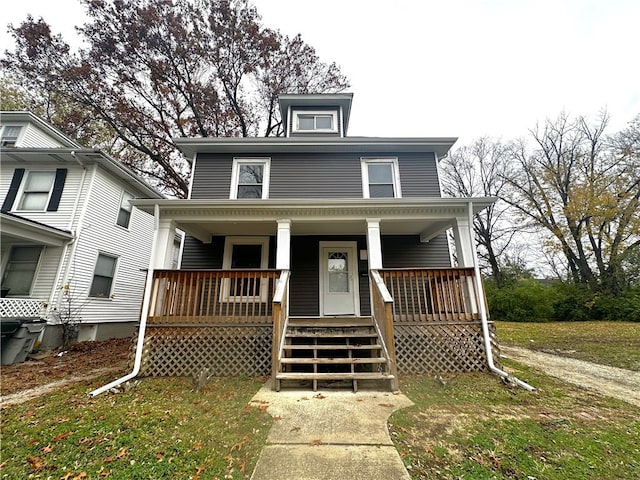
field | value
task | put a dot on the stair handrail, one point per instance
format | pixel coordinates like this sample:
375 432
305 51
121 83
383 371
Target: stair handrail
280 321
383 307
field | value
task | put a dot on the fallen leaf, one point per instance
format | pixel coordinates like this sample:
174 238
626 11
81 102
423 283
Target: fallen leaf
62 436
315 442
67 476
241 443
295 429
47 449
35 462
122 453
105 473
319 396
386 404
81 476
277 417
84 440
197 446
3 464
159 456
32 442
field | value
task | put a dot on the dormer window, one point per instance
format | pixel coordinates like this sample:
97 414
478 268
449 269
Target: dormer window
9 136
316 121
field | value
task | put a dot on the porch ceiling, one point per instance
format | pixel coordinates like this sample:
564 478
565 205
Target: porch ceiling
23 230
203 219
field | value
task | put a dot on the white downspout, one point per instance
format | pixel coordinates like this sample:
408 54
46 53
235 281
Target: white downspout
143 314
483 311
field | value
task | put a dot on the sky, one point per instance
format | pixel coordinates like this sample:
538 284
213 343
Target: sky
454 68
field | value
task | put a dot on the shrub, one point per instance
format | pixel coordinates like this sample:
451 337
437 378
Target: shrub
525 300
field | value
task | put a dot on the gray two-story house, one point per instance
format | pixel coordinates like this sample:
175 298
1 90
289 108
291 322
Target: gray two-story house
314 257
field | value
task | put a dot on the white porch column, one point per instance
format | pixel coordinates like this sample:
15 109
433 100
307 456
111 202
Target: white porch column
283 245
374 243
165 235
464 242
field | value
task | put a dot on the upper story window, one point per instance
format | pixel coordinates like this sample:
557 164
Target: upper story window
124 214
36 191
320 121
21 269
250 178
103 275
9 136
380 178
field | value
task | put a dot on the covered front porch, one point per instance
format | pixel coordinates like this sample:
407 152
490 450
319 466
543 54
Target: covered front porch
339 259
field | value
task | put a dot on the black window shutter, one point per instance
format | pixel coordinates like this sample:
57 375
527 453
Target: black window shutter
18 173
58 186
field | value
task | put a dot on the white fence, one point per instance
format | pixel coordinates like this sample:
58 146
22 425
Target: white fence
22 307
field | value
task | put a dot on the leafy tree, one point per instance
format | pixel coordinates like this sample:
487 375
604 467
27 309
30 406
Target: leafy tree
152 70
478 170
583 187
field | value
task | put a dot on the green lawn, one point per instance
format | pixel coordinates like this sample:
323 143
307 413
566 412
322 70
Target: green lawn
608 343
473 427
160 429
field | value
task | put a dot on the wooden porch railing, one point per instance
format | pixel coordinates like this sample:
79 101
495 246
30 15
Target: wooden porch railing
383 319
280 320
209 297
432 294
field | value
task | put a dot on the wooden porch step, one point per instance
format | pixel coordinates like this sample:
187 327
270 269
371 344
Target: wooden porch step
373 346
333 376
334 360
337 322
325 334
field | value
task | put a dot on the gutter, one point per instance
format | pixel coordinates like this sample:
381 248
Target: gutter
144 314
483 313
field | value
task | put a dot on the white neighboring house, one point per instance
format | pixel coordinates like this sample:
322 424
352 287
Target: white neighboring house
69 235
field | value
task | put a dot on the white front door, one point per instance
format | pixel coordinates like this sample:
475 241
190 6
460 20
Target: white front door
338 279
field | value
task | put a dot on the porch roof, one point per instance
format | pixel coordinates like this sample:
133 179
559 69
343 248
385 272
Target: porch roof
426 217
25 230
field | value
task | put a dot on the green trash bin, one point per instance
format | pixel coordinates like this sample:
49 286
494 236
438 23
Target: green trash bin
17 346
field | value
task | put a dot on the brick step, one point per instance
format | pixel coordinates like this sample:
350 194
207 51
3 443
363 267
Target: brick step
332 361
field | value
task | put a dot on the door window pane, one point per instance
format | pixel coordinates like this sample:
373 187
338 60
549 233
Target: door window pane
338 270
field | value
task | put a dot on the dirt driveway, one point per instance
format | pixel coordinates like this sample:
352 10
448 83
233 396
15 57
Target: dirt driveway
611 381
50 371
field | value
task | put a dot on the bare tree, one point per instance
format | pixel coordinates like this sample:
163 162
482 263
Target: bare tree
478 170
584 189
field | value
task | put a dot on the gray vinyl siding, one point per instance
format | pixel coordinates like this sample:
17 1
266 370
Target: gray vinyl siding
400 251
418 175
309 175
209 256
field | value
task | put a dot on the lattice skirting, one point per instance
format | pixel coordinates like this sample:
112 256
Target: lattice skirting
442 348
222 350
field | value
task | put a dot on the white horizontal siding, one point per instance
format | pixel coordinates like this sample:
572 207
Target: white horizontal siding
63 216
132 247
33 137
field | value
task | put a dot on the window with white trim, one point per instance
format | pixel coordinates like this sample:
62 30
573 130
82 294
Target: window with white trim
315 121
36 190
9 136
124 214
250 178
246 253
103 275
380 178
21 269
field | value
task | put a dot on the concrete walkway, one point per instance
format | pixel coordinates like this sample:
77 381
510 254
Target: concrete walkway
329 435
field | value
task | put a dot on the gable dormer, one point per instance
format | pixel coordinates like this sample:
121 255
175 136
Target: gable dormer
325 115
